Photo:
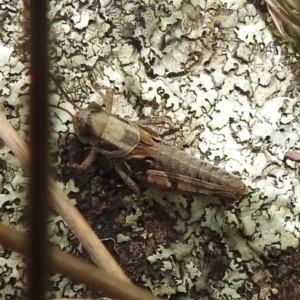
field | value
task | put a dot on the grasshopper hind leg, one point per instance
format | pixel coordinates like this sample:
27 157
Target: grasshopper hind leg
134 187
159 121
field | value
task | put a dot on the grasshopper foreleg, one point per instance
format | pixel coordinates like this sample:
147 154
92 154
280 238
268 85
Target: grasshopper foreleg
109 95
87 162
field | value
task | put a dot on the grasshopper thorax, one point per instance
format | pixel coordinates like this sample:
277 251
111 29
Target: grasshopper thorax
89 123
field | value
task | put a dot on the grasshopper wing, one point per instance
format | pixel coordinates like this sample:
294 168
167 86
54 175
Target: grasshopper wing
180 184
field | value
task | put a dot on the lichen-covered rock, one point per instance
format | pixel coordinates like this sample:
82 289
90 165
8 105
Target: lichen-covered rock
216 69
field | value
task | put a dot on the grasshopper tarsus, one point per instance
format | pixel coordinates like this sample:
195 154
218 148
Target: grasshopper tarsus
74 166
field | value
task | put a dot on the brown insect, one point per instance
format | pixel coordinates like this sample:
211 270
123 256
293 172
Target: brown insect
137 152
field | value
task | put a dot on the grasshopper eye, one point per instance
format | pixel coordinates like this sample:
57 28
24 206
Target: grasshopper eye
86 131
86 134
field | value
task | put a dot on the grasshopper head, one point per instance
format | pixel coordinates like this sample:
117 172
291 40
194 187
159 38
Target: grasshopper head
89 123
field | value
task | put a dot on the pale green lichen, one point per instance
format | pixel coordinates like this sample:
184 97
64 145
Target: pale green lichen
221 69
120 238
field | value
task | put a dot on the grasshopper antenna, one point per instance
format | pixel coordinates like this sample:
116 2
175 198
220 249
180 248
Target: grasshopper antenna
63 109
65 95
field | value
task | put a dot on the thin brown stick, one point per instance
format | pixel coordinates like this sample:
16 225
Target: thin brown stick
77 269
62 204
70 299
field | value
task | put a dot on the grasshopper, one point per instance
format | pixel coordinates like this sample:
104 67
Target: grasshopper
137 152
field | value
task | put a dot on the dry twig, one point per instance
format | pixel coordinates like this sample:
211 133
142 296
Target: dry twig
77 269
62 204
